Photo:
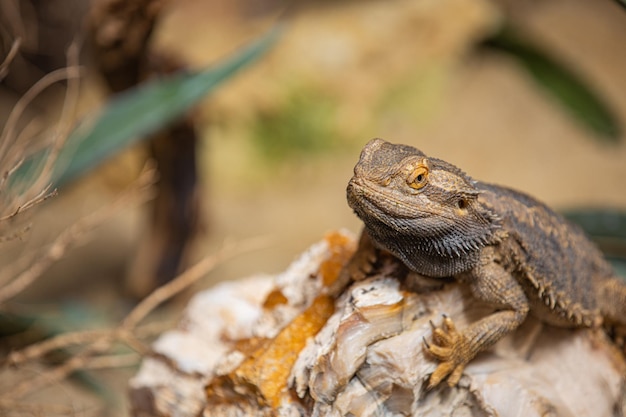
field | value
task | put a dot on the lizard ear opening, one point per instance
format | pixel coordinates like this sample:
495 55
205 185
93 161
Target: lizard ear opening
417 179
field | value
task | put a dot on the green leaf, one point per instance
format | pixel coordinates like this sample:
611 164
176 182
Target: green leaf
135 114
560 82
600 223
608 229
621 3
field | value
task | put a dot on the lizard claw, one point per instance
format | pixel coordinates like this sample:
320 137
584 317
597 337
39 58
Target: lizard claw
364 259
451 349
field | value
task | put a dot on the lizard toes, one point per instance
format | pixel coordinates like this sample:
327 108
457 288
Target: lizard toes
446 335
440 353
449 348
440 373
448 325
447 369
443 338
455 376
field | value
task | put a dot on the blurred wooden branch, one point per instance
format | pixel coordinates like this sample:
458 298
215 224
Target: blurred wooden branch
120 34
230 356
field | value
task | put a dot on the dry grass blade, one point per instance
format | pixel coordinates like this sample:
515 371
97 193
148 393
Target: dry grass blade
126 329
4 66
66 340
10 127
37 409
63 127
15 148
61 341
39 198
7 174
188 278
58 373
114 361
15 235
136 194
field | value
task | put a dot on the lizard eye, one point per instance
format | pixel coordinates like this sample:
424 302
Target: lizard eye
418 177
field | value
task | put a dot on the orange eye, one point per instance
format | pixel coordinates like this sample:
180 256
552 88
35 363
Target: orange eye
418 177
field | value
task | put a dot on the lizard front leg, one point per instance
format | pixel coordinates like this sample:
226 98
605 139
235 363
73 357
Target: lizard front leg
358 267
455 349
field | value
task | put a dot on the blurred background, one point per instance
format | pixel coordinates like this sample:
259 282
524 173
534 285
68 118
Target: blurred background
525 94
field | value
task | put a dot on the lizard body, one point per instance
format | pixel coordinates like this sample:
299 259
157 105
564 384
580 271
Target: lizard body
512 250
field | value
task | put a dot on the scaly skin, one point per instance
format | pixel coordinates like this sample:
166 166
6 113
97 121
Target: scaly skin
513 251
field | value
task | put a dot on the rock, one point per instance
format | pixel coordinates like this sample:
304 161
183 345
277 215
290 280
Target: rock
279 345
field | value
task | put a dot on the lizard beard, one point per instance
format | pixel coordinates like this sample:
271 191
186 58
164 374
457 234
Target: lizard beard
428 245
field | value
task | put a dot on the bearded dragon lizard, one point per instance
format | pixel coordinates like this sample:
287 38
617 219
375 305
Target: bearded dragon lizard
513 251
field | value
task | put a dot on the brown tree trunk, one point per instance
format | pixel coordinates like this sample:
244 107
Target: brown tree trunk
119 35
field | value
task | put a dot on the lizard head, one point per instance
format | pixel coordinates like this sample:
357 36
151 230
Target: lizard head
404 196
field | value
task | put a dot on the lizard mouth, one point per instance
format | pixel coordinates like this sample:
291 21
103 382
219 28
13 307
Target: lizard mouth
367 199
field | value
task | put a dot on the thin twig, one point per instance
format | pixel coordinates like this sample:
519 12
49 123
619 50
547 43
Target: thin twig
61 341
8 138
161 294
188 278
36 409
113 361
133 342
15 235
67 340
4 66
39 198
10 171
60 372
63 126
46 81
136 194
